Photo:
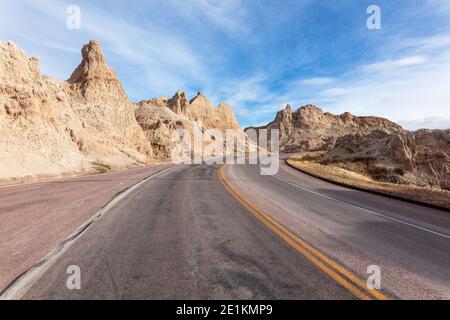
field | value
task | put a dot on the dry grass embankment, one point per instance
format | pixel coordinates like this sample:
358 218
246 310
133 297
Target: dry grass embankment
333 172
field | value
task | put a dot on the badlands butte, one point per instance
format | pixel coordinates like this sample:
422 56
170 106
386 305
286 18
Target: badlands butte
87 124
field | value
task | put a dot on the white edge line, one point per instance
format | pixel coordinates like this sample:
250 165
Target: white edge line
20 287
364 209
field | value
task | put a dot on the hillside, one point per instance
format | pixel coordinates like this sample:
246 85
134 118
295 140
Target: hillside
375 147
87 123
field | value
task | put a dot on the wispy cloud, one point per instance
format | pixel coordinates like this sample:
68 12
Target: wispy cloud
319 81
410 97
428 43
434 122
393 65
229 15
440 6
334 92
164 60
256 55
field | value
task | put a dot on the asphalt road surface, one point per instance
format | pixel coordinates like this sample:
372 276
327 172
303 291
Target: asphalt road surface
200 232
409 243
36 217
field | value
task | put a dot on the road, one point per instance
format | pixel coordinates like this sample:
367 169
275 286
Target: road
408 242
35 217
197 232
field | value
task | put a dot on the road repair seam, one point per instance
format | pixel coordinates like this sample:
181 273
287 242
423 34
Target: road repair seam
368 211
22 283
333 269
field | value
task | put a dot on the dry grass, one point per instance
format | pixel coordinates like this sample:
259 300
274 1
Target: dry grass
340 175
101 167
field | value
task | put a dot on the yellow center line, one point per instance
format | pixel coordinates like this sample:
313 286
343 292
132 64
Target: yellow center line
337 272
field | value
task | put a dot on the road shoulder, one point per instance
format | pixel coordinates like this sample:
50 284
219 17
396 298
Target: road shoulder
37 217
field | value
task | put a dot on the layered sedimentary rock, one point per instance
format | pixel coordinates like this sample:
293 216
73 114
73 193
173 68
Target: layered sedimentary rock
311 129
50 127
159 123
221 117
94 80
421 158
371 145
179 103
161 117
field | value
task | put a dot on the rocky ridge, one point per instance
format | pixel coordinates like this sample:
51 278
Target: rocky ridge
371 145
50 127
421 158
160 117
311 129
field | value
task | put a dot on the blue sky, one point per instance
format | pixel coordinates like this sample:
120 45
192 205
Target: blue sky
258 55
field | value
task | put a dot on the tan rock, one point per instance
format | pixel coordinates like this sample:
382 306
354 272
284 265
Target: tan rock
94 79
179 103
222 117
159 122
421 158
311 129
370 145
159 118
50 127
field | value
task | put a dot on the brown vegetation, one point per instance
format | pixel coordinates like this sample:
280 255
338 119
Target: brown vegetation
352 176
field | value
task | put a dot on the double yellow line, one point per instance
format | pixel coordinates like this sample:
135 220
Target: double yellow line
336 271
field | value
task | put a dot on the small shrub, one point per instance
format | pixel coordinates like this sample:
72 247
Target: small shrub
101 167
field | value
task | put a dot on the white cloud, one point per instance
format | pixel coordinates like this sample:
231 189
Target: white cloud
334 92
241 93
430 122
319 81
228 15
413 97
155 59
164 59
433 42
440 6
393 65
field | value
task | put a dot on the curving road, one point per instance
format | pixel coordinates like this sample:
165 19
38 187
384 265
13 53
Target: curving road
205 232
409 243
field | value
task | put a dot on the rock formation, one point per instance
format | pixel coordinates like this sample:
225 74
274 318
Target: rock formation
371 145
221 117
421 158
179 103
85 124
311 129
159 122
160 117
50 127
94 79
